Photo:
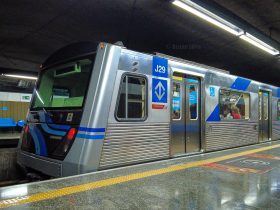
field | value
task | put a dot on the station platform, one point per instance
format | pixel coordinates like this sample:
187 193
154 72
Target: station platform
241 178
9 139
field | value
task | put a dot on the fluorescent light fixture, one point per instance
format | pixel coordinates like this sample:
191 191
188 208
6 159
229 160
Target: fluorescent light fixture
20 76
258 43
187 72
208 16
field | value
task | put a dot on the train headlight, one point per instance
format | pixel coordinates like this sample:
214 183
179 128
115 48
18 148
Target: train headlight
26 129
71 134
25 133
69 138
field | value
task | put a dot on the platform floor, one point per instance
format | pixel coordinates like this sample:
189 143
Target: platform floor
7 136
242 178
9 139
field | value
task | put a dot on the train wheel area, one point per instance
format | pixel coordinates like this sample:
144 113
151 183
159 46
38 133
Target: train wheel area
241 178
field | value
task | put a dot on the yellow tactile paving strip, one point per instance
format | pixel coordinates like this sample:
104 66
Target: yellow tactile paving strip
122 179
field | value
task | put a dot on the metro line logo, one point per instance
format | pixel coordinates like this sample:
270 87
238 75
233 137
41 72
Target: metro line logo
159 90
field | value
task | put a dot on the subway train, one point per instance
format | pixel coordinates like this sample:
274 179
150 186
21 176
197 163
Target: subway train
98 106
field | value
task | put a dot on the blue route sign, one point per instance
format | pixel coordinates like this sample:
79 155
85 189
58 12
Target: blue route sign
160 67
159 91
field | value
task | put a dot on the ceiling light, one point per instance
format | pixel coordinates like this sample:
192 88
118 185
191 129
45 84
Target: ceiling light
20 76
258 43
208 16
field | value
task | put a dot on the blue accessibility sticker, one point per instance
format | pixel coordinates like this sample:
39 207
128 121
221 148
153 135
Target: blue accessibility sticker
160 90
160 67
212 91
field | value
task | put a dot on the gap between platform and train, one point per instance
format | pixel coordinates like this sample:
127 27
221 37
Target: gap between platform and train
122 179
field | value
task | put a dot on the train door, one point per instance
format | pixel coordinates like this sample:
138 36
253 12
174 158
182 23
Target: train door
185 119
192 115
264 115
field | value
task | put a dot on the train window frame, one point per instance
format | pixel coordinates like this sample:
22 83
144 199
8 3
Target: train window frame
238 91
145 99
278 110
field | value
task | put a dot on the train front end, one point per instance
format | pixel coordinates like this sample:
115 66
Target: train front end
54 118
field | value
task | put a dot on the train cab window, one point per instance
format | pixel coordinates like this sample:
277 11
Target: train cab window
278 109
63 86
132 98
176 102
234 105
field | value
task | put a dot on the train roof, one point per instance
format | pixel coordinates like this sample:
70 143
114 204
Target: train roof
70 52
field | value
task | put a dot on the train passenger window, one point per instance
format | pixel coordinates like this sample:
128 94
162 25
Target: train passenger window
278 110
234 105
193 91
176 101
132 98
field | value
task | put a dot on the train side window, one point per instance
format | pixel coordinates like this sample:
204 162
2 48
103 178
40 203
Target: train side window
234 105
132 98
278 109
176 102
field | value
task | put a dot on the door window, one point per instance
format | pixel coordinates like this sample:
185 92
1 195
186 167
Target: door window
260 105
193 101
265 106
278 110
176 101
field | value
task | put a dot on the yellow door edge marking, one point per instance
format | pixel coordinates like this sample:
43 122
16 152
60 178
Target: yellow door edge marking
122 179
177 78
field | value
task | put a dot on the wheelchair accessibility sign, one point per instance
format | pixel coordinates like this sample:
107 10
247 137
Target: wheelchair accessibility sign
159 91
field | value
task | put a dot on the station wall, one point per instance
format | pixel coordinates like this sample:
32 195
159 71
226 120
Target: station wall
14 105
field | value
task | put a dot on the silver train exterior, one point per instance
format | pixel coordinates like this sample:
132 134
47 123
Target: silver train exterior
104 140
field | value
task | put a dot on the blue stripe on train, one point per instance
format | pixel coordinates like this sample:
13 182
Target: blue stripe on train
61 127
215 115
91 137
91 129
240 84
48 130
67 127
39 141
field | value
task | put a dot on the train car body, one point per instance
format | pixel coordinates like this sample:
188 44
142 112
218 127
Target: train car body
98 109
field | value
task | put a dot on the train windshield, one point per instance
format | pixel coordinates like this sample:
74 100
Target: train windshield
63 86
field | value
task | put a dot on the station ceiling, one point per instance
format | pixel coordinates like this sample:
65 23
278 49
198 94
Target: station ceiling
32 30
